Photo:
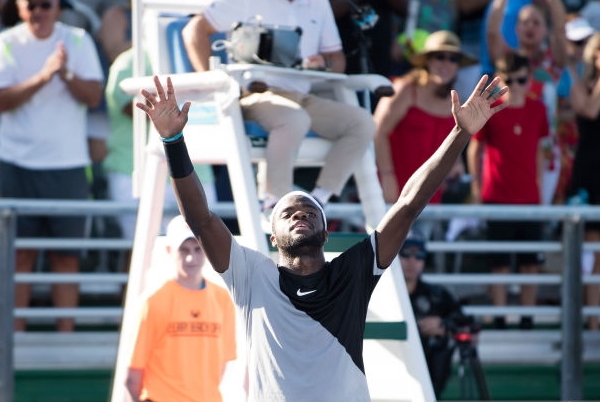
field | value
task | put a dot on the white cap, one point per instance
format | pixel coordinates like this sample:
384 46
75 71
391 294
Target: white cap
578 29
178 231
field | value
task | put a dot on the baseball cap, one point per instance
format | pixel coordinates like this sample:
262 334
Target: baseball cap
578 29
178 231
414 239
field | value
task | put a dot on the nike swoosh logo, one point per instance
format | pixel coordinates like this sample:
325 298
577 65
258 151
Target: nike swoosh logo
301 293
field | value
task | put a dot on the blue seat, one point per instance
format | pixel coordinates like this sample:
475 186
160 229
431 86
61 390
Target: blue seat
180 63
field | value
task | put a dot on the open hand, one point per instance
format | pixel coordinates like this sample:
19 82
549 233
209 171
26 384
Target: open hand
476 111
163 110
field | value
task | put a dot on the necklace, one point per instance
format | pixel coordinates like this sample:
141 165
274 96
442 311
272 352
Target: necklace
517 119
517 129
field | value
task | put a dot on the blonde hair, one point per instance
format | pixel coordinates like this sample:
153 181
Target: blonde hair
590 51
420 75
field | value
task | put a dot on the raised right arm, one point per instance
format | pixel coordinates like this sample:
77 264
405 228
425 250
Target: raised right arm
495 40
215 238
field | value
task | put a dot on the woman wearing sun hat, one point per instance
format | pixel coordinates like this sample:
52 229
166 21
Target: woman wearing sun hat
411 124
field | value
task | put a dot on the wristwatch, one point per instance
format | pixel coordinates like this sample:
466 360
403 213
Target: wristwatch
68 76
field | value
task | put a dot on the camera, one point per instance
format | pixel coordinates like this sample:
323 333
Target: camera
463 329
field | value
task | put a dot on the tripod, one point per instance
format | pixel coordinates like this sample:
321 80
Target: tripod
473 385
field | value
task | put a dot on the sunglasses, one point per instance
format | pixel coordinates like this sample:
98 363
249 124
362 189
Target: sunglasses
45 5
518 80
419 255
441 56
580 42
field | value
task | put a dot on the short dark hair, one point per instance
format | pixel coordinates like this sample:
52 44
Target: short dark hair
511 62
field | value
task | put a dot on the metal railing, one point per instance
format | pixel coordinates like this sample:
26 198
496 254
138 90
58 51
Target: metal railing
570 280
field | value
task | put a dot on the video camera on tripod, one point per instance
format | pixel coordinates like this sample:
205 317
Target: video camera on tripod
463 329
473 385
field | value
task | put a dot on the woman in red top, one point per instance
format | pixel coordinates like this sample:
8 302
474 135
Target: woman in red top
413 122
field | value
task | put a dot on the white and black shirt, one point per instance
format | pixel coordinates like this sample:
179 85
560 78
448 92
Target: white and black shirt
304 333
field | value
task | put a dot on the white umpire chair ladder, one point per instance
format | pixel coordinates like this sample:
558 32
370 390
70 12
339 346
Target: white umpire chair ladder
215 134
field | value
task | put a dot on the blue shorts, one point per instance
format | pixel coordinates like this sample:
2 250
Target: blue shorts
59 184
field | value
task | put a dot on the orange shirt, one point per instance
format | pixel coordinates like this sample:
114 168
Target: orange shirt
185 339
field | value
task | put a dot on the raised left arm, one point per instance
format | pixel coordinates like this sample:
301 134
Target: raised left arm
469 118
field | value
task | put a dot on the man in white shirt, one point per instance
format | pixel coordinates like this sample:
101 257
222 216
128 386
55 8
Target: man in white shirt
286 110
49 74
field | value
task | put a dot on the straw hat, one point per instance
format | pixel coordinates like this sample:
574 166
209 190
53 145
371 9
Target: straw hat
441 41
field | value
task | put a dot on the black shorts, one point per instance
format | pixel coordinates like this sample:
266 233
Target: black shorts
515 231
65 184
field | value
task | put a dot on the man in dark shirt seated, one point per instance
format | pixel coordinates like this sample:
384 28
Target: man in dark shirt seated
436 311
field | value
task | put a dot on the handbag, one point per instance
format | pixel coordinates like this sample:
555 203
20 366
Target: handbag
256 43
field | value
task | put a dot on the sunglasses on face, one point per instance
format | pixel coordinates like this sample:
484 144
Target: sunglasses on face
45 5
518 80
441 56
580 42
419 255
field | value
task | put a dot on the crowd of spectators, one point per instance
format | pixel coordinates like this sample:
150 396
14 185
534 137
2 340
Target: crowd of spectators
557 38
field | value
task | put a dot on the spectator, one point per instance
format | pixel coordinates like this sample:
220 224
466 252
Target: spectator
436 311
540 31
303 311
86 14
509 17
118 165
114 35
427 16
186 333
286 110
578 30
585 183
47 70
504 159
422 17
98 17
411 124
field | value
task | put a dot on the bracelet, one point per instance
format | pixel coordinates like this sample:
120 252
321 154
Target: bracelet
173 138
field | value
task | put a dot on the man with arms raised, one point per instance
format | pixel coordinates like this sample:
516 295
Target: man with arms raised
304 317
